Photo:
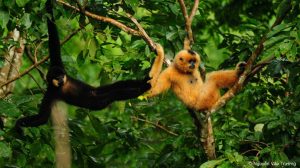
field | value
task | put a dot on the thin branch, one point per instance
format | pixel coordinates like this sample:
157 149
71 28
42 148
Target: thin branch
154 124
16 69
183 10
194 10
142 31
36 51
260 66
33 60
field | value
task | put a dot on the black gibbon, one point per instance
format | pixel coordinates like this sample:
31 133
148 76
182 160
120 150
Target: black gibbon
65 88
183 77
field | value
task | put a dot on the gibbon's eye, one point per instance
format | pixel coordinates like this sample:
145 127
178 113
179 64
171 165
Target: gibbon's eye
181 59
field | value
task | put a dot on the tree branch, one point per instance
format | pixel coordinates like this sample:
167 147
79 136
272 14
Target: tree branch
154 124
189 39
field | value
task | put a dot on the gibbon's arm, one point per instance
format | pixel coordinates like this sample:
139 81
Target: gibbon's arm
40 118
163 83
226 78
77 93
53 42
157 65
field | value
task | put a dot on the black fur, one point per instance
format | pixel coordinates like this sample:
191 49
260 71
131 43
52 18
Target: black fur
79 94
191 52
1 123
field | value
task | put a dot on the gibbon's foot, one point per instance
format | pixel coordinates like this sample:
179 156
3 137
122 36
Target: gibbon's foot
241 67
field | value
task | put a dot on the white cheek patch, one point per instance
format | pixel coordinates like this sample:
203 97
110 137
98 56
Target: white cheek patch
65 79
55 82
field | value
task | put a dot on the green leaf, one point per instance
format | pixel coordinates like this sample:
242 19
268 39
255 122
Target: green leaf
9 109
273 124
171 35
25 20
265 119
9 3
19 99
297 116
81 58
5 151
4 15
145 65
277 29
274 40
22 3
99 127
283 8
212 163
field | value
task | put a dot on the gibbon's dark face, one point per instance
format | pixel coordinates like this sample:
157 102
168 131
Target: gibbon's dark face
187 61
56 76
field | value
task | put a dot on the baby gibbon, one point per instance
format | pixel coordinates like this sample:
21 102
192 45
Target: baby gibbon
183 77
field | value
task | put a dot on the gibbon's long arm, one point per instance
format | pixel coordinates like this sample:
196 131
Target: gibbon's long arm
53 42
72 91
157 65
41 117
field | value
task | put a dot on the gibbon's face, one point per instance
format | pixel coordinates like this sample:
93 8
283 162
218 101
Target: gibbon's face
59 81
187 61
56 76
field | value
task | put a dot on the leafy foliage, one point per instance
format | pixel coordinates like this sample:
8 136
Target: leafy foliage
261 124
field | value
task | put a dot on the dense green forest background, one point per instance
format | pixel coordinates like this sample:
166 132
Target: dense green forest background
259 125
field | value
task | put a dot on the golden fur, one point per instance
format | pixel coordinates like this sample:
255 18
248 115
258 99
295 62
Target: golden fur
183 77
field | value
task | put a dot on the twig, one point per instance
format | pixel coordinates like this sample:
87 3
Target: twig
16 69
33 60
154 124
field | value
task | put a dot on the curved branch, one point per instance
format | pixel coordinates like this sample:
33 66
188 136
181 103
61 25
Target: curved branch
103 19
183 9
154 124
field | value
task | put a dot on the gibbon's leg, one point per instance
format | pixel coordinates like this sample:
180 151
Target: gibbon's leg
123 90
157 65
226 78
163 83
38 119
223 78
